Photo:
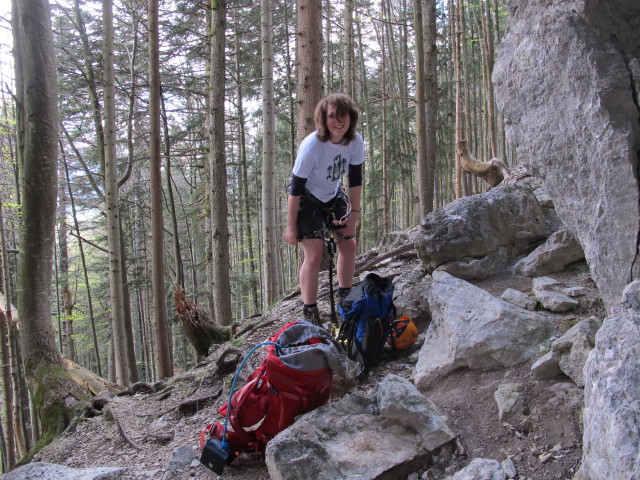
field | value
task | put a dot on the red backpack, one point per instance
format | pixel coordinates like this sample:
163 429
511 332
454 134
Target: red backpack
293 378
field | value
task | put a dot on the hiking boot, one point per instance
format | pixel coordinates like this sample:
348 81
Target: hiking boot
312 315
341 295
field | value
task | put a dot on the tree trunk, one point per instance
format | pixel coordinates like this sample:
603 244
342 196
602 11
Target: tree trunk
89 75
309 63
421 133
250 288
21 414
164 368
53 392
385 179
7 380
271 263
121 356
458 94
349 62
221 286
431 95
63 270
85 272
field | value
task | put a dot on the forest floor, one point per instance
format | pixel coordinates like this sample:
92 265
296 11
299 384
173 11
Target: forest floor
544 440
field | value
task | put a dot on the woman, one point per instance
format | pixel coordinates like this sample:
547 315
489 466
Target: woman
316 199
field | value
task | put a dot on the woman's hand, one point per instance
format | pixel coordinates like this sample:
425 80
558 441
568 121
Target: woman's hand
290 234
349 230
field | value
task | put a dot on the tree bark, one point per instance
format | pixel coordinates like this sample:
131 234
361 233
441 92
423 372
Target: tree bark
221 285
421 133
431 96
7 380
85 272
52 390
271 261
349 61
309 64
164 368
111 192
458 95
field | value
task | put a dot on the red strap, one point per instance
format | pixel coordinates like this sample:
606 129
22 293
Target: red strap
206 430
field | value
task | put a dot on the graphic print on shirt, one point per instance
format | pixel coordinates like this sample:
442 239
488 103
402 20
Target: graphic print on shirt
337 170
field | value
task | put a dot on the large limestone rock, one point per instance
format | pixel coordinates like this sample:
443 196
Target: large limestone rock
471 328
480 468
384 437
560 249
573 348
411 296
611 442
474 237
567 78
51 471
550 293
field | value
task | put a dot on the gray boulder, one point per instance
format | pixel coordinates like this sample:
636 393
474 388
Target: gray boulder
566 79
474 237
547 366
480 469
519 298
560 249
181 458
51 471
350 438
471 328
411 296
611 442
551 296
510 400
573 348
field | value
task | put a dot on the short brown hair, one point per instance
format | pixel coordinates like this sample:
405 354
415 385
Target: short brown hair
344 105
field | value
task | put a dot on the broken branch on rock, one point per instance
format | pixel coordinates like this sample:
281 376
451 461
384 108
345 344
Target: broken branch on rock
493 171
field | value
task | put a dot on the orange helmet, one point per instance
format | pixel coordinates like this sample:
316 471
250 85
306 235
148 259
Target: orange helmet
404 333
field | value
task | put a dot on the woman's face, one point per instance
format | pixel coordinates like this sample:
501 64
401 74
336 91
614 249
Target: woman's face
337 125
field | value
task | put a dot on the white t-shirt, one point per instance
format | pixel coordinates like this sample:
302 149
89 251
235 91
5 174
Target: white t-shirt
323 164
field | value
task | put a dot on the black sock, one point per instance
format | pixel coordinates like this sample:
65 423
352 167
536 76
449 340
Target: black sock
310 306
344 291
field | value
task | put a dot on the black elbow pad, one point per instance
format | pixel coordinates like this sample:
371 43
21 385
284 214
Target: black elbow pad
355 175
297 185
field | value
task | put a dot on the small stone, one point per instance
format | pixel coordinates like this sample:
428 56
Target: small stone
509 468
545 457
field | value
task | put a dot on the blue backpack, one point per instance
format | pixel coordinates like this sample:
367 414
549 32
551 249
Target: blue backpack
368 313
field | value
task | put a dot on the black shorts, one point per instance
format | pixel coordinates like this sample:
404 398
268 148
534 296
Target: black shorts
314 215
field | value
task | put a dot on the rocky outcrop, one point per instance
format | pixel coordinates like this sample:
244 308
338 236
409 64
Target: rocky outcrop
471 328
480 468
354 435
569 353
573 348
474 237
567 78
560 250
551 295
611 443
411 296
49 471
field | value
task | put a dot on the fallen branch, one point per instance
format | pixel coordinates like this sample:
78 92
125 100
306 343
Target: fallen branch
89 380
359 269
254 326
493 172
185 407
225 365
390 254
126 437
